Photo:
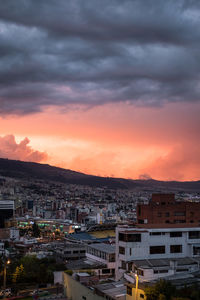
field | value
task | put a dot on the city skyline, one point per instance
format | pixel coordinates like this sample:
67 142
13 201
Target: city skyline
109 89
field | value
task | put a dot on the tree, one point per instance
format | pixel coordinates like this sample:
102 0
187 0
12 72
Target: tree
35 230
18 274
161 290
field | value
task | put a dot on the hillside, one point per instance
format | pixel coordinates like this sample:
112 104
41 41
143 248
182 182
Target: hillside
29 170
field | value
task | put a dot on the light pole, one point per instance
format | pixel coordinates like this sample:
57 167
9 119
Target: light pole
136 285
4 273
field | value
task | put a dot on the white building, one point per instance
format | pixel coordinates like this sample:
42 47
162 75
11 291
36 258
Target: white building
14 234
156 252
105 254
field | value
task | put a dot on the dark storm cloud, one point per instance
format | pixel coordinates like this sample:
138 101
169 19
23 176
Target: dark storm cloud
97 51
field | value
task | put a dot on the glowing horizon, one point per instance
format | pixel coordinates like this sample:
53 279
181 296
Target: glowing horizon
117 145
102 87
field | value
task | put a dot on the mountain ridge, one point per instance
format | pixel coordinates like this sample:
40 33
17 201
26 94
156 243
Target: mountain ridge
31 170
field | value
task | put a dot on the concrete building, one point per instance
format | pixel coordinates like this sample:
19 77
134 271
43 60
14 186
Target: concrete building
75 290
169 243
105 254
82 286
71 251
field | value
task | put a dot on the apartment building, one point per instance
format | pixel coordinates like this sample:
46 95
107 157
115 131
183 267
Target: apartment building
163 208
156 252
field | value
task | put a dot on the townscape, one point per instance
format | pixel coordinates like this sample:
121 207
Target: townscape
100 149
108 243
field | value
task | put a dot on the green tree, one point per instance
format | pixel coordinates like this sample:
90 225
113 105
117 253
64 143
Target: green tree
161 290
35 230
151 293
16 275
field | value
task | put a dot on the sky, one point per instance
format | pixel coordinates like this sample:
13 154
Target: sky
109 88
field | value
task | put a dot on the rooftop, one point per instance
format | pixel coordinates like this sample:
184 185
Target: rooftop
113 289
103 247
83 264
151 263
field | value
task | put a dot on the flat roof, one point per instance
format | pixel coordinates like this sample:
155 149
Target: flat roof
115 289
159 228
103 247
156 263
84 263
178 280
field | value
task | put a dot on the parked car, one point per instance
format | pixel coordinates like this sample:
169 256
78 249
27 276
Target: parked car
6 293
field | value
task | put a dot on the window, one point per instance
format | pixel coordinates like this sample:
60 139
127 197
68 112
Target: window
121 237
176 234
112 257
129 290
175 248
121 250
142 296
155 233
105 271
179 213
179 221
139 210
130 251
157 249
160 271
167 214
67 252
196 250
82 251
140 272
75 252
130 266
123 265
134 238
129 237
194 234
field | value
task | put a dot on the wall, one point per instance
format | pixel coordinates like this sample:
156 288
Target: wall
140 295
74 290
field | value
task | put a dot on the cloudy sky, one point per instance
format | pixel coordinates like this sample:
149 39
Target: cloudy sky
110 88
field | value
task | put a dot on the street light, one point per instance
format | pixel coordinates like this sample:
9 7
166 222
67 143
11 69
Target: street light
136 285
4 273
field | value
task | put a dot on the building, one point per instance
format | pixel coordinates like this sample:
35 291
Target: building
163 208
83 286
6 211
105 254
169 249
71 251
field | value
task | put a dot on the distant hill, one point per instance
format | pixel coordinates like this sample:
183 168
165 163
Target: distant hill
29 170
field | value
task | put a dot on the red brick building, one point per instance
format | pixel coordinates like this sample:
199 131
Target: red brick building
163 208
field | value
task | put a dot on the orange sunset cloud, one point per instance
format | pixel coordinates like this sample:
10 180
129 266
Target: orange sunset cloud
114 140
